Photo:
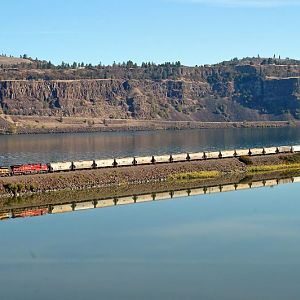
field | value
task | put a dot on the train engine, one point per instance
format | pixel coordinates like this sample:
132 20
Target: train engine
29 169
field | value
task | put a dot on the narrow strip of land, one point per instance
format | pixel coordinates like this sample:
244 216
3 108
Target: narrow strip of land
215 169
15 124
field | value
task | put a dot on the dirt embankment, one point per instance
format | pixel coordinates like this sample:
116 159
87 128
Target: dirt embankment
96 194
124 176
117 176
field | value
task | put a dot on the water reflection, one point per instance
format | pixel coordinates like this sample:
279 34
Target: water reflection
231 246
57 147
71 206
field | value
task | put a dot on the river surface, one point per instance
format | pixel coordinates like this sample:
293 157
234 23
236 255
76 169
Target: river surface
18 149
229 246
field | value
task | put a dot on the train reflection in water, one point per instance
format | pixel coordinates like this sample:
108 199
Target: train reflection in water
132 199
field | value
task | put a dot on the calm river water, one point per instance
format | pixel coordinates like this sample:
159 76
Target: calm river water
229 246
56 147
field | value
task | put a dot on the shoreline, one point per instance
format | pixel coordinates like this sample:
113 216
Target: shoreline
48 125
124 177
69 201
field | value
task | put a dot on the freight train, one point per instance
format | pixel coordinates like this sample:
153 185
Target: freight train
39 168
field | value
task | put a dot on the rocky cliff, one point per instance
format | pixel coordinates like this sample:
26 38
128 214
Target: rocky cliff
235 91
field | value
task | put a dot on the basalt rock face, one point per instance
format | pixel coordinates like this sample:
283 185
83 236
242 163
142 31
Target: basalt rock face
270 96
235 92
104 98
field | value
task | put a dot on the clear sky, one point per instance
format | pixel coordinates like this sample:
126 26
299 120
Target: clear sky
193 31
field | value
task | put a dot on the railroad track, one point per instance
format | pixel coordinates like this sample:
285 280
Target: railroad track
39 168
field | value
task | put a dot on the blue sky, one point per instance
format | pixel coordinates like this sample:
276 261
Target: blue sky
193 31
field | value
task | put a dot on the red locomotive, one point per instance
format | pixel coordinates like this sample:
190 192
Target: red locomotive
31 213
29 169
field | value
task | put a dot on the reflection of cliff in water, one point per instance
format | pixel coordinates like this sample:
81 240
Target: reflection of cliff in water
10 211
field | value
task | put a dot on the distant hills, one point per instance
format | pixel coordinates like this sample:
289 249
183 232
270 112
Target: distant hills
249 89
12 61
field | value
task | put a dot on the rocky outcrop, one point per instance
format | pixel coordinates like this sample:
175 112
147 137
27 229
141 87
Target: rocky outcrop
225 92
272 95
104 97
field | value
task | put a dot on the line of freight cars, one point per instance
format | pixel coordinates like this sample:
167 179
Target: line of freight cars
39 168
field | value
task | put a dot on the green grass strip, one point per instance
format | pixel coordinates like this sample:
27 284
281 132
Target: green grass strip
273 168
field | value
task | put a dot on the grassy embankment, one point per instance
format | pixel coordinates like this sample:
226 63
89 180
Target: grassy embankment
289 163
